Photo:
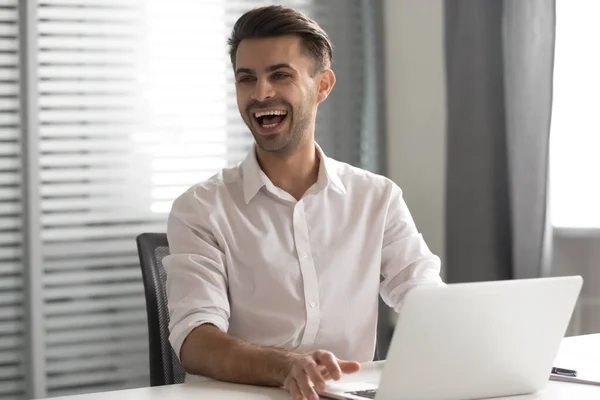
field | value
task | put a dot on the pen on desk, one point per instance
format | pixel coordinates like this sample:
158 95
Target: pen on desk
564 372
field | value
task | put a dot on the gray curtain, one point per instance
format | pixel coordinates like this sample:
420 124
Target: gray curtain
499 63
350 124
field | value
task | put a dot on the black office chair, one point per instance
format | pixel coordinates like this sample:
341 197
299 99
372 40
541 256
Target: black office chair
165 368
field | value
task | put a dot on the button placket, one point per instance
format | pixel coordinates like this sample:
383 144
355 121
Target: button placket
309 275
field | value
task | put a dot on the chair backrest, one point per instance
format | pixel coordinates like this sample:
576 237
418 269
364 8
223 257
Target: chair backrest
165 367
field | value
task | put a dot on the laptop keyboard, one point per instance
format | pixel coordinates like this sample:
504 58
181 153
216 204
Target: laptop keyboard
367 394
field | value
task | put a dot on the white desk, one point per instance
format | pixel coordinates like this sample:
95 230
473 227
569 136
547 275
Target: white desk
580 352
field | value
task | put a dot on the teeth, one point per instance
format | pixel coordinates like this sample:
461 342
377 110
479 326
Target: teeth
269 112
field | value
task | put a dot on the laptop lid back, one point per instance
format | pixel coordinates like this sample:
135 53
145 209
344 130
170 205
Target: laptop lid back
477 340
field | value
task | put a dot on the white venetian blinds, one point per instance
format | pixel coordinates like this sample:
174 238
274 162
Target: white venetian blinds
11 224
135 103
95 194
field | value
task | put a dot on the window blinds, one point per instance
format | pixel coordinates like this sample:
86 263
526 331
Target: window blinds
11 263
135 103
95 194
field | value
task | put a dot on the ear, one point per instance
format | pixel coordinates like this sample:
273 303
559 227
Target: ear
325 84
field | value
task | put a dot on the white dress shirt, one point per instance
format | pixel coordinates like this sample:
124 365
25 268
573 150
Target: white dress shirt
249 258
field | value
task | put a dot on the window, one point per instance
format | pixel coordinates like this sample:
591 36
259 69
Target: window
133 102
575 131
185 97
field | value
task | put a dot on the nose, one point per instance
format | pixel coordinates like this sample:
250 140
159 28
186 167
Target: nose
263 90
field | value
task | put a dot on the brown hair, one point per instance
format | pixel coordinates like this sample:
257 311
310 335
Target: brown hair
273 21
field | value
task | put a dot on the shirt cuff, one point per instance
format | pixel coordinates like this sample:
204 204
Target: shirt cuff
435 281
182 329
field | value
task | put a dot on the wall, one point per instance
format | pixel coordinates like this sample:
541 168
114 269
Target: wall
416 110
577 254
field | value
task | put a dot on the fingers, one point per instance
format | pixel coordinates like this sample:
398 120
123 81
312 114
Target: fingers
335 367
328 360
295 392
316 369
305 386
300 381
349 367
324 372
316 376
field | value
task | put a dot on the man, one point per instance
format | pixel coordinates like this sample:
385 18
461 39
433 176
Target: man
276 264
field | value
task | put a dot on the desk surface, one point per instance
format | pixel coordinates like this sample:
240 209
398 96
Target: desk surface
579 352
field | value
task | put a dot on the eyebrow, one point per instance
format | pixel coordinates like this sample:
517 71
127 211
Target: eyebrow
270 68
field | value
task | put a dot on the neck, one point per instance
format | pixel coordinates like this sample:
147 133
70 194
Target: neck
295 173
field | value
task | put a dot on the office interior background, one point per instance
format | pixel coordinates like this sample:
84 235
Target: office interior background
484 112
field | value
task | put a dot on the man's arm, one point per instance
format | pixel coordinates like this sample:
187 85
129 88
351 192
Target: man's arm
406 259
209 352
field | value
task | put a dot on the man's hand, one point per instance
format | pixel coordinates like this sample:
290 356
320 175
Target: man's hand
314 369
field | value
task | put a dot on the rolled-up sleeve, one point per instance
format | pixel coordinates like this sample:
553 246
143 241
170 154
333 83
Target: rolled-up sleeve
196 272
406 259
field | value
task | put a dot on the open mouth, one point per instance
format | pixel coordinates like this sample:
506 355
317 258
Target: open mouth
270 120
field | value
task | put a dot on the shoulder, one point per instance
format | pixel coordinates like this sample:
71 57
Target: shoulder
364 181
206 195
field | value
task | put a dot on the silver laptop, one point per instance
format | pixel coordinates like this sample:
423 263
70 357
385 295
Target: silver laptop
470 341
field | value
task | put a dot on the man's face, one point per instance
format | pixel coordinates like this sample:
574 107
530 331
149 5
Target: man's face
276 93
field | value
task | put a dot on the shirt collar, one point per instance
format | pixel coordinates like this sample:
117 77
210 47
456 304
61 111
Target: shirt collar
328 172
253 177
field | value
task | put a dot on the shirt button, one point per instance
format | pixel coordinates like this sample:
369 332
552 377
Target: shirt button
313 304
303 255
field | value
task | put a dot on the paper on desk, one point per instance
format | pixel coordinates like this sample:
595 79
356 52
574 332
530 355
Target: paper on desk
588 372
580 378
581 356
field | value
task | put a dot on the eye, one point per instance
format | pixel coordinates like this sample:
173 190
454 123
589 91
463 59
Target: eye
280 75
246 78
